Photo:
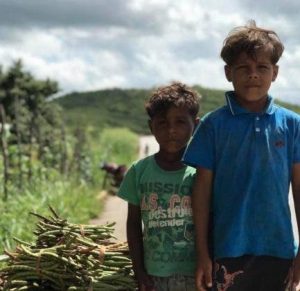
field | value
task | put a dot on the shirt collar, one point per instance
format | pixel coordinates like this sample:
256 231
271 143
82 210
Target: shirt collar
236 109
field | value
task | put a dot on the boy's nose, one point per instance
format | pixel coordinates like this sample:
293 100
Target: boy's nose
253 77
253 74
172 129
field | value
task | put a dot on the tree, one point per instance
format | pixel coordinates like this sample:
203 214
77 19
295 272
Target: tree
32 117
4 151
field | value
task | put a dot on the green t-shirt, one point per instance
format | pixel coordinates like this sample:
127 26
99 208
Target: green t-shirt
165 201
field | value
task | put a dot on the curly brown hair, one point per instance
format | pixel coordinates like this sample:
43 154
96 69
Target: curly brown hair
177 94
250 39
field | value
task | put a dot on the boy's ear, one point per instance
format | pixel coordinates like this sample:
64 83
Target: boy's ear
150 124
197 120
227 70
275 72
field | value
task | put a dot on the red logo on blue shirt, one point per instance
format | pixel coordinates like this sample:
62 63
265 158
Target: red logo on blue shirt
279 144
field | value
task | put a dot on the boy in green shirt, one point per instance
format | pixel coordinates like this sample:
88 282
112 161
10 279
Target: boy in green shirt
158 191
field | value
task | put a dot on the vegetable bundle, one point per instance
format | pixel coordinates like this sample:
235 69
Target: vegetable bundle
67 257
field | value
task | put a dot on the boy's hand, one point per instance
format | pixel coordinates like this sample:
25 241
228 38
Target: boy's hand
204 275
296 273
145 283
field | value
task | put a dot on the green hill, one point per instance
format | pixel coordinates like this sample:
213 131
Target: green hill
125 108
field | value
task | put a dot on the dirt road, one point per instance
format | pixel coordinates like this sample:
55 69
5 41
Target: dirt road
115 209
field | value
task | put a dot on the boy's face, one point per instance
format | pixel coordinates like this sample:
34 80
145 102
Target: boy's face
173 129
252 78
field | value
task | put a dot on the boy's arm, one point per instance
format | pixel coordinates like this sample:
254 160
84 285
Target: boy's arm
296 196
135 244
201 197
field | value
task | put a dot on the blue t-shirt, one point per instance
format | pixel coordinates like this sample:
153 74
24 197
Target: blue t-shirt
251 156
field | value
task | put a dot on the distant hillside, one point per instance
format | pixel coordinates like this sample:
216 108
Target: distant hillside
125 108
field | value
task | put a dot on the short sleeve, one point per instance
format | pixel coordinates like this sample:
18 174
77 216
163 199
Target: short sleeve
296 152
200 151
128 188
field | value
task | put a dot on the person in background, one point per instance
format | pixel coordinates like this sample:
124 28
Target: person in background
247 153
158 191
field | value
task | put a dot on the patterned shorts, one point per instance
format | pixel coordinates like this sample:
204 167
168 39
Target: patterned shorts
174 283
252 273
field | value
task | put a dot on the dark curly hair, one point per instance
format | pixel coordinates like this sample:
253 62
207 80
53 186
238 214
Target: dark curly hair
250 39
177 94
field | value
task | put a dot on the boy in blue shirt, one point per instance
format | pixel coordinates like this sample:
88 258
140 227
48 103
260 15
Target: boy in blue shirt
247 153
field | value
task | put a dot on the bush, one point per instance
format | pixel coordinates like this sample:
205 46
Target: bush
118 145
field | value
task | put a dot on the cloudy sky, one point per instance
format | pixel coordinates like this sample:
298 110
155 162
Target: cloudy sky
96 44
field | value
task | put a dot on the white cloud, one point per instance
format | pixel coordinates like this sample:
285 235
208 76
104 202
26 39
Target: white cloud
140 43
37 42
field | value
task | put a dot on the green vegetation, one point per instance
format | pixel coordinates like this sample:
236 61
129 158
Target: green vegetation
119 143
77 201
125 108
67 256
75 197
44 162
106 108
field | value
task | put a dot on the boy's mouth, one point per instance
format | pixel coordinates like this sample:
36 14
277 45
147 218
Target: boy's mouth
173 141
252 86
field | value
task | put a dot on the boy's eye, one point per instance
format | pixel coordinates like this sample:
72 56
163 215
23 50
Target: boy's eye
263 67
241 67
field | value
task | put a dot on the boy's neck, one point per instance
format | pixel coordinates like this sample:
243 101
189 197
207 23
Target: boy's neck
169 162
253 106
